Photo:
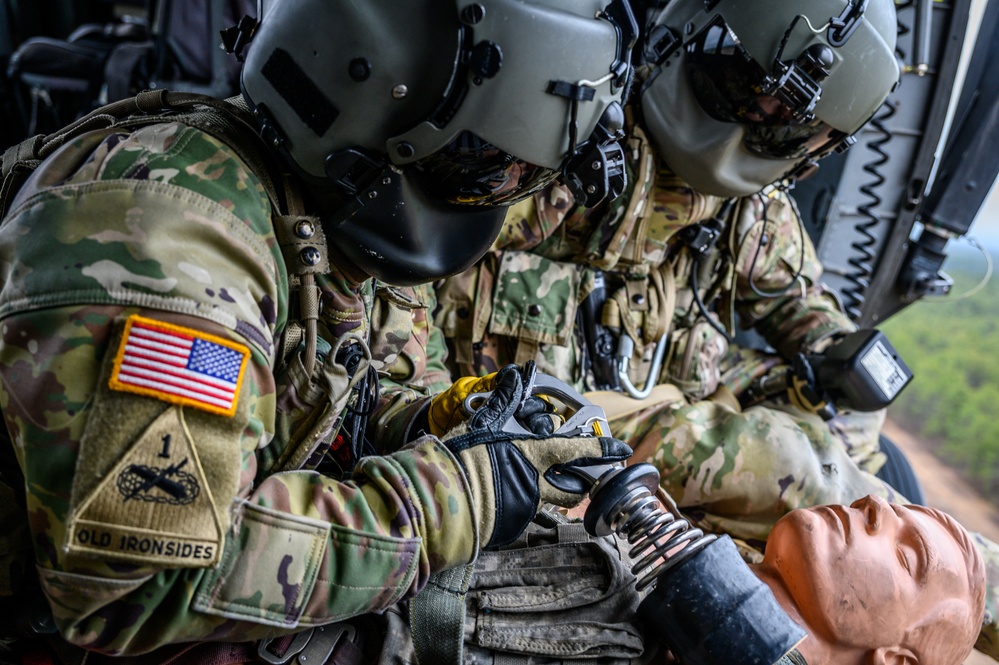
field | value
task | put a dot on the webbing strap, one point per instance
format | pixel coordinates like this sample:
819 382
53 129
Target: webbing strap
437 617
26 150
17 162
620 405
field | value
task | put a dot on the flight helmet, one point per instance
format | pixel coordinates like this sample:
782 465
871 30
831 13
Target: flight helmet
416 121
740 94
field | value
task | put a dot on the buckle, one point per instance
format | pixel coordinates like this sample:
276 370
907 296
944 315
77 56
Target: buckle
309 647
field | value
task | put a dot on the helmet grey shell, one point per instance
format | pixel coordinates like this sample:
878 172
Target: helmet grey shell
404 79
862 69
412 121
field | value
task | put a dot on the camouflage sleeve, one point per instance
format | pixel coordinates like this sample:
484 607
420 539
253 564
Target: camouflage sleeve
777 279
153 518
739 471
533 220
408 377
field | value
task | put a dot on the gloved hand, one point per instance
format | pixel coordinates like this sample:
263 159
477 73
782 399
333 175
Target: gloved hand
447 409
510 473
804 392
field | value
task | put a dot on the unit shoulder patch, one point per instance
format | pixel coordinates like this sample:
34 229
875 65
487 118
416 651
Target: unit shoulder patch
179 365
155 506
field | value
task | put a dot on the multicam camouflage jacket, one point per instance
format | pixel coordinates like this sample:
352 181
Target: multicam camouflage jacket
525 299
156 392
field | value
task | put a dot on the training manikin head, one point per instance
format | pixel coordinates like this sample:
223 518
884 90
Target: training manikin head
740 94
877 583
414 122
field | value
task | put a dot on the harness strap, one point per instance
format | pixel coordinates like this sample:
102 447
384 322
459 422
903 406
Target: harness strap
664 282
304 247
620 405
16 165
437 617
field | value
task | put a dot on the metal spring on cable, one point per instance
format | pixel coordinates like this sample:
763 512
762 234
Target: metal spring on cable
863 260
655 535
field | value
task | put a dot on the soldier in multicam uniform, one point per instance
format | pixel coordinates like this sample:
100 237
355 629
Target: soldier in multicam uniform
706 238
734 104
184 325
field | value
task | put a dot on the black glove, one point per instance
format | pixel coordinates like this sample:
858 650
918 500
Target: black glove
511 472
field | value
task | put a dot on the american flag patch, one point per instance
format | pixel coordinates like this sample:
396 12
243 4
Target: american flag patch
179 365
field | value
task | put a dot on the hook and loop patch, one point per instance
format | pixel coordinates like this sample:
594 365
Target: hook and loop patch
179 365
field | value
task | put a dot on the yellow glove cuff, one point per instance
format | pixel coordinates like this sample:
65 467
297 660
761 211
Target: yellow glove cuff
446 408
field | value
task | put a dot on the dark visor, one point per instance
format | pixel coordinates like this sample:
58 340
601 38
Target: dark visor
732 87
471 171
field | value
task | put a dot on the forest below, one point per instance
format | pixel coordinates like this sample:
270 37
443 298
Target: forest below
950 344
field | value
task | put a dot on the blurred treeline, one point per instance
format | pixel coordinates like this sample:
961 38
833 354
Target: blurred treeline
951 345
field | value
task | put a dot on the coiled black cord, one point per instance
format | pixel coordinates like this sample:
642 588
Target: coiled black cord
864 256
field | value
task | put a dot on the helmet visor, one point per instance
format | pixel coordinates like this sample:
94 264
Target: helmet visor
732 87
471 171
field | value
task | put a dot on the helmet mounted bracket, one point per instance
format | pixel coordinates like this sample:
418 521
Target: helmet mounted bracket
620 15
842 27
237 37
353 169
797 84
595 170
663 41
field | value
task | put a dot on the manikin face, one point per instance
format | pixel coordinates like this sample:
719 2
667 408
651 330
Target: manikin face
866 575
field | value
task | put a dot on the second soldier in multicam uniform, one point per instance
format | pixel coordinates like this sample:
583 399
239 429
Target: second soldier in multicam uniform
182 331
661 280
704 240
